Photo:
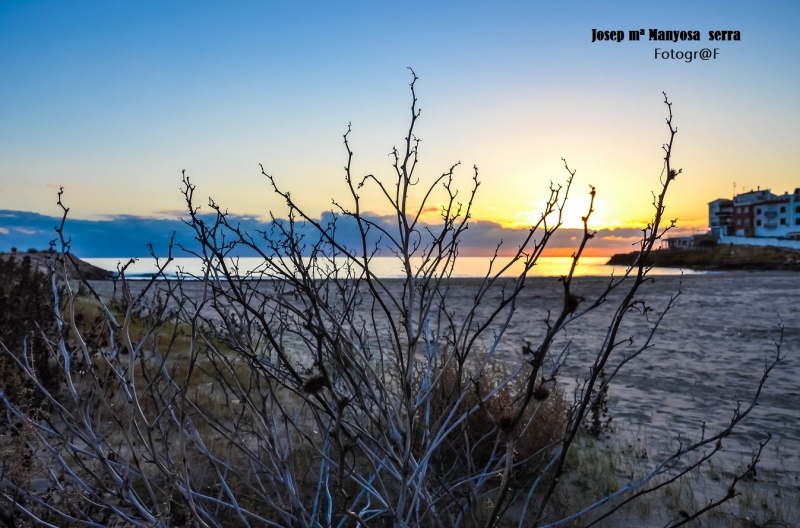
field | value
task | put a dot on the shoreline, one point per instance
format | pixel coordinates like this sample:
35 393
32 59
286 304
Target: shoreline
726 258
721 258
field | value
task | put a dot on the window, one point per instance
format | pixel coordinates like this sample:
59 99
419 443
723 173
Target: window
738 209
797 209
758 211
783 221
746 209
783 209
738 221
797 221
758 222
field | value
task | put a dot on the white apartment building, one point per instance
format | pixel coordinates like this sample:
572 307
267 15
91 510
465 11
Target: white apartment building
779 217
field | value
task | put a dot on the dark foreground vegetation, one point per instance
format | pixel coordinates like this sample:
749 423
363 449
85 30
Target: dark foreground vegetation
310 392
723 257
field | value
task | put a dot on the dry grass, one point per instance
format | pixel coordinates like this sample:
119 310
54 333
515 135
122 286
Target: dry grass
489 408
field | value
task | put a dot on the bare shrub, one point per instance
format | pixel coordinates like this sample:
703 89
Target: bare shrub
312 391
488 404
25 327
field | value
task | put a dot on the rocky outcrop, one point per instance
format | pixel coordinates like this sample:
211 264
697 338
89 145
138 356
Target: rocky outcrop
76 268
724 257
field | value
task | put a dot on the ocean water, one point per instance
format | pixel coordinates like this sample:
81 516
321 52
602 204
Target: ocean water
389 267
707 356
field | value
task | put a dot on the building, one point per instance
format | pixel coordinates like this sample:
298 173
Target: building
756 214
720 217
686 242
744 212
773 218
705 242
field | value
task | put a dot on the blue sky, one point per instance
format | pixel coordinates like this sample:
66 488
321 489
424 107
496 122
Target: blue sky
113 99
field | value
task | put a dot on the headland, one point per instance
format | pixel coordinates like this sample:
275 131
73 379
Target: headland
722 257
76 267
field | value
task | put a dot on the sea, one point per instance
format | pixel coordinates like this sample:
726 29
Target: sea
703 363
387 267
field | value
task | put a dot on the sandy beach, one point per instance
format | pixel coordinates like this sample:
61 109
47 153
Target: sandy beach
709 353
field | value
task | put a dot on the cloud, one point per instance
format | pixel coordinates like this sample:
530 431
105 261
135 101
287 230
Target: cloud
169 213
124 236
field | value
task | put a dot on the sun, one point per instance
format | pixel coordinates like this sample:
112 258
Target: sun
572 215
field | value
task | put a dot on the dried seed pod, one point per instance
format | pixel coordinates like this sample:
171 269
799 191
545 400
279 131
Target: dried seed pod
314 384
505 423
541 393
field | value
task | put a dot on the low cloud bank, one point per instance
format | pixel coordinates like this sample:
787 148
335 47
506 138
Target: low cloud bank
129 236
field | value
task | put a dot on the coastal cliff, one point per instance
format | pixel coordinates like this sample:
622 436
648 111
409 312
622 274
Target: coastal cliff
726 257
76 268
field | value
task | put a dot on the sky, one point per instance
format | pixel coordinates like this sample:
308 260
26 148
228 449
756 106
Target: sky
112 100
